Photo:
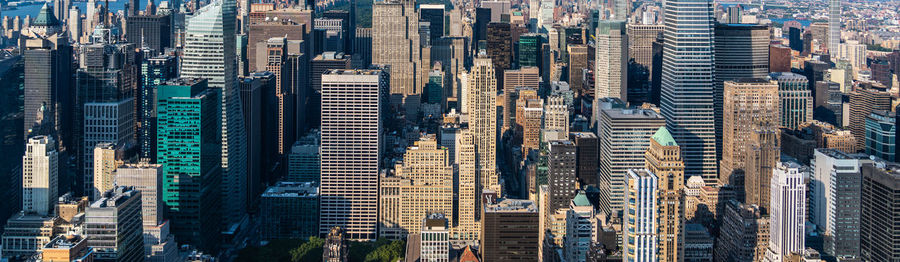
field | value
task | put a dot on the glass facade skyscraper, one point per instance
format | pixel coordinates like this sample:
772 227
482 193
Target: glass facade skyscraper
687 83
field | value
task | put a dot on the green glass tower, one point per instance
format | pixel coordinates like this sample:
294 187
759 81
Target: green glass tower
529 50
189 149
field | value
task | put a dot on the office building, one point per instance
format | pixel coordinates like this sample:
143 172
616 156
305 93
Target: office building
396 42
106 123
832 169
579 228
303 161
663 158
482 110
881 131
48 96
150 31
741 51
744 234
105 164
879 197
561 173
434 244
640 233
187 113
499 46
779 58
426 185
468 204
154 71
147 178
556 115
698 243
40 176
515 222
863 102
25 234
112 225
276 61
578 62
67 248
786 226
611 70
624 136
513 80
640 43
354 93
749 104
763 153
323 63
290 210
687 84
529 50
796 99
208 35
588 155
434 15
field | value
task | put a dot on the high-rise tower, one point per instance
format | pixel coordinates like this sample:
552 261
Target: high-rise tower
663 158
834 26
209 52
687 83
482 109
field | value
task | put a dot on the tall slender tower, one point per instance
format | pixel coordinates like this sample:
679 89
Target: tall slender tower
640 227
749 105
611 70
788 210
209 52
663 158
687 83
834 26
482 111
466 226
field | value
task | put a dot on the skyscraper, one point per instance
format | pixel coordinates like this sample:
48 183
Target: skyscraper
687 83
579 229
106 122
509 230
208 53
663 158
588 153
426 184
878 201
750 104
396 42
796 99
611 72
467 202
147 178
482 110
561 173
624 136
112 225
529 50
351 157
578 62
104 168
788 211
640 235
150 31
40 181
741 51
863 101
744 233
187 114
834 26
49 100
154 72
881 131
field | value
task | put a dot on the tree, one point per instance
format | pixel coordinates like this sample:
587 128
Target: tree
311 250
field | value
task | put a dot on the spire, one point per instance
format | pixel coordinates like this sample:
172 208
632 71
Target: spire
45 17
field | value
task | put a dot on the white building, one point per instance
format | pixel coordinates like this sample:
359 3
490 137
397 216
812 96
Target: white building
40 179
611 69
352 101
147 178
435 243
787 211
639 228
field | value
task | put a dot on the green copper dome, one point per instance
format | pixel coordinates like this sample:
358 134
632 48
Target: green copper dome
581 200
45 17
663 137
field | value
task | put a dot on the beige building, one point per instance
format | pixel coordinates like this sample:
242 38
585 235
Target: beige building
863 101
426 184
578 61
749 104
663 158
640 43
611 65
482 110
762 155
556 116
396 42
104 168
532 115
466 226
528 78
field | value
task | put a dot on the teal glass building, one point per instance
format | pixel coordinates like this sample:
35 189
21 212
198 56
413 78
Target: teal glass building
189 149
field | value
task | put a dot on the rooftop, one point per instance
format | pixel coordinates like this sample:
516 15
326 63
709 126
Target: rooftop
663 137
512 206
632 113
292 189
